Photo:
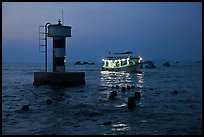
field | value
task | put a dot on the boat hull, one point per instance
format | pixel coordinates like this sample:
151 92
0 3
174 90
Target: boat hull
130 68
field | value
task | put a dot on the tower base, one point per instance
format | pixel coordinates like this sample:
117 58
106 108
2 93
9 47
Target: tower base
59 78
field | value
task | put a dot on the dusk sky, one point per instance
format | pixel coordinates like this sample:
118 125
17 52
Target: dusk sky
170 31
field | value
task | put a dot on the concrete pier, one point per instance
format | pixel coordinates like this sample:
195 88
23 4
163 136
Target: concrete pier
59 78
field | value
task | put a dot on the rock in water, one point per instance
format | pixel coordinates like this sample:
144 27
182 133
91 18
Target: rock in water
137 95
128 87
49 101
131 103
25 107
113 94
175 92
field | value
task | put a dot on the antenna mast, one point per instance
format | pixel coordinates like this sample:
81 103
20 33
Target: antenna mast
62 18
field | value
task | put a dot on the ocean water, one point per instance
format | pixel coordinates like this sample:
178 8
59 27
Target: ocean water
82 110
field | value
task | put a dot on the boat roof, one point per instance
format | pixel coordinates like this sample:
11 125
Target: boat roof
122 53
119 56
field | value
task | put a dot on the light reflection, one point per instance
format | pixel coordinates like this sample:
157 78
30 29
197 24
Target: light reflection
139 86
140 80
121 105
143 121
120 78
120 127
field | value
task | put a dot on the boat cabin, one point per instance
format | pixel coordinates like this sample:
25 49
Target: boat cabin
120 61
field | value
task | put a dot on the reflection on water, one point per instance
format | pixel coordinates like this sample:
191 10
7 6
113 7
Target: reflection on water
110 80
120 105
115 81
121 78
120 127
140 80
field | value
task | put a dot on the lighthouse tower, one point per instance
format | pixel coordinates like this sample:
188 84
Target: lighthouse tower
59 34
58 76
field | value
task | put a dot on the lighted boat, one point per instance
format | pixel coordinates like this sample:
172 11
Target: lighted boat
125 61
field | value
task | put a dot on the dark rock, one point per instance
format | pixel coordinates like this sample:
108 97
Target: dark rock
128 87
166 64
117 86
92 63
83 63
25 107
175 92
150 65
131 103
123 89
107 123
49 101
151 89
78 63
137 95
132 86
113 94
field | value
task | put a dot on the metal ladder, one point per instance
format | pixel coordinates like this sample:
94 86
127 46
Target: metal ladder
43 41
42 37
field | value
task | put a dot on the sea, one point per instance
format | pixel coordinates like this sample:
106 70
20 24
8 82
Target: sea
87 109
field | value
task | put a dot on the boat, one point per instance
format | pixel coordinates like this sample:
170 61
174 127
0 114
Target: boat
124 61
